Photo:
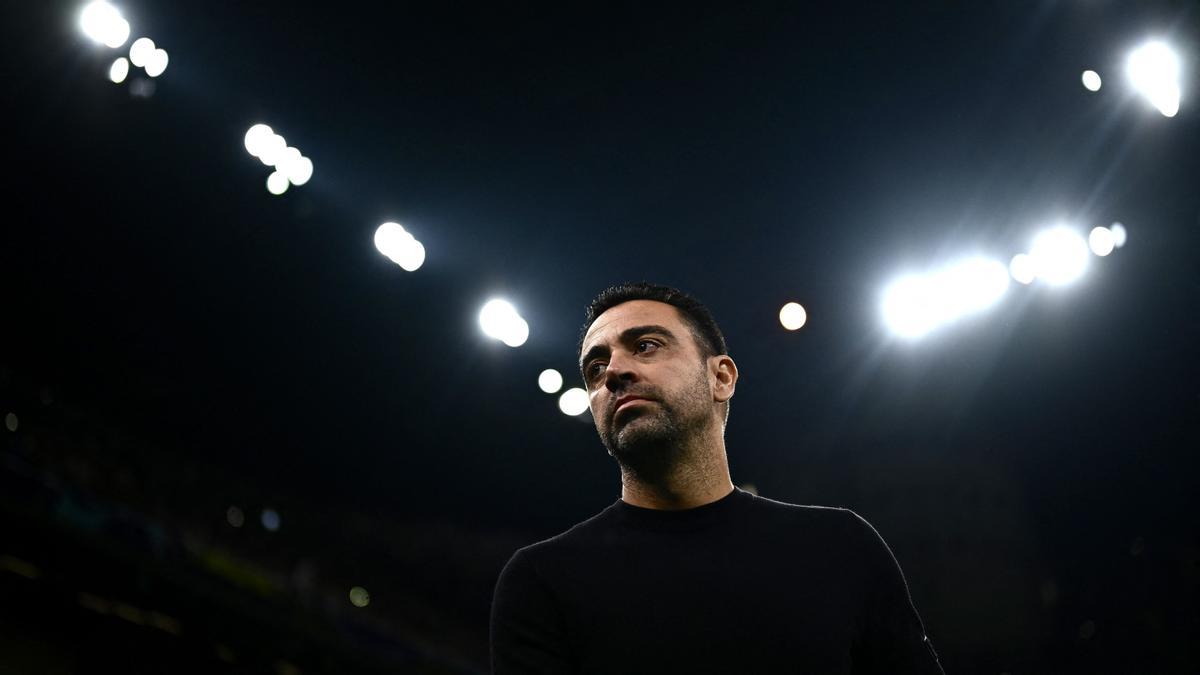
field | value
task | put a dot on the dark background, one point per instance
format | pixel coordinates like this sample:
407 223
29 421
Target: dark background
174 340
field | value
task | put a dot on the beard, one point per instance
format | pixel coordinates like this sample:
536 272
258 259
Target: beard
655 437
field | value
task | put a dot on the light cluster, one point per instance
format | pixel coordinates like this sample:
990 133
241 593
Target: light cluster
399 246
499 320
291 167
1153 71
917 304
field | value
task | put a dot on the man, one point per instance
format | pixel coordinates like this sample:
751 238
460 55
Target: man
686 573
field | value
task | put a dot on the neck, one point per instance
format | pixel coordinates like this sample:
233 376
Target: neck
699 476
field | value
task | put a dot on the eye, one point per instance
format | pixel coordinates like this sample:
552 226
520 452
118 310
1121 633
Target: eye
650 345
594 369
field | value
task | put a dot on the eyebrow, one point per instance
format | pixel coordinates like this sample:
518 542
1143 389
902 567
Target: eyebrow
625 336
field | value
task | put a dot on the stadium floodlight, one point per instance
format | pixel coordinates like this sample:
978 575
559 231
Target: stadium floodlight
573 402
140 51
1091 80
1101 241
550 381
299 170
499 319
256 137
1060 255
272 149
1119 234
793 316
102 23
119 70
917 304
910 307
156 63
277 183
1153 70
399 246
1022 269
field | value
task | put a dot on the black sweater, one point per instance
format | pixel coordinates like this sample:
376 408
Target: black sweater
742 585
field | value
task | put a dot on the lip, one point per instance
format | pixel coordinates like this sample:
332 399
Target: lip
626 400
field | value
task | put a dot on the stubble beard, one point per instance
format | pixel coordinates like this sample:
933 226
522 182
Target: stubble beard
653 441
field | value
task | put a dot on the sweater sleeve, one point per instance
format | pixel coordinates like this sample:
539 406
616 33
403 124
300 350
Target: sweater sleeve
892 638
528 633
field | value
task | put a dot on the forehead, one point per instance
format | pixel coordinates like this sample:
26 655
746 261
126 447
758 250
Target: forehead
609 325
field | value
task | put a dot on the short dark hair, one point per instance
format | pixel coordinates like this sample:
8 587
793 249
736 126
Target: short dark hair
703 326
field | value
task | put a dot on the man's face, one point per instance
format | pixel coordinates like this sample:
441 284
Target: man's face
647 383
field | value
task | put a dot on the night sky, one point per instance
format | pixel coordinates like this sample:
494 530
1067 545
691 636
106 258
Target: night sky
748 156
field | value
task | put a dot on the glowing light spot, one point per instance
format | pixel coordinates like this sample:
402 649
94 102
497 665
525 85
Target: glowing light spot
1119 234
573 401
270 520
793 316
915 305
499 319
1091 80
256 138
550 381
1022 269
102 23
235 517
359 597
1060 256
300 170
399 246
1101 241
11 422
156 64
277 183
140 51
271 149
119 70
1153 70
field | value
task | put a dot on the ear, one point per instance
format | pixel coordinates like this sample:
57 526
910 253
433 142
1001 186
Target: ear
724 374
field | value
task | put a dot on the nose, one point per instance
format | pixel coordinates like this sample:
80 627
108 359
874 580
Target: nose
619 372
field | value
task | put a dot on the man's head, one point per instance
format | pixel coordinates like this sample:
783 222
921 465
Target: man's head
656 369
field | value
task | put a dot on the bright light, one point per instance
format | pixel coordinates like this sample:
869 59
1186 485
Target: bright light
1091 80
1119 234
1153 69
271 149
399 246
140 51
792 316
277 183
299 171
550 381
1101 241
285 159
359 597
1060 255
102 23
498 319
573 401
910 307
256 138
916 305
270 520
1022 269
119 70
156 63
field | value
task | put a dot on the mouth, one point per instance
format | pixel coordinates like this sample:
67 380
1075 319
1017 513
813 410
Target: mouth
629 401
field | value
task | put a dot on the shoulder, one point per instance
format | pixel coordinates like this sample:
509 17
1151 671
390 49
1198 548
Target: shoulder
582 535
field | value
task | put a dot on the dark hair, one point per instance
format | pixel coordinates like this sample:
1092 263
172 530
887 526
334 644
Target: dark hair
701 322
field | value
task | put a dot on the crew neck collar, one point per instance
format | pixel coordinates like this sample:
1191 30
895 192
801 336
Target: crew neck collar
684 519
